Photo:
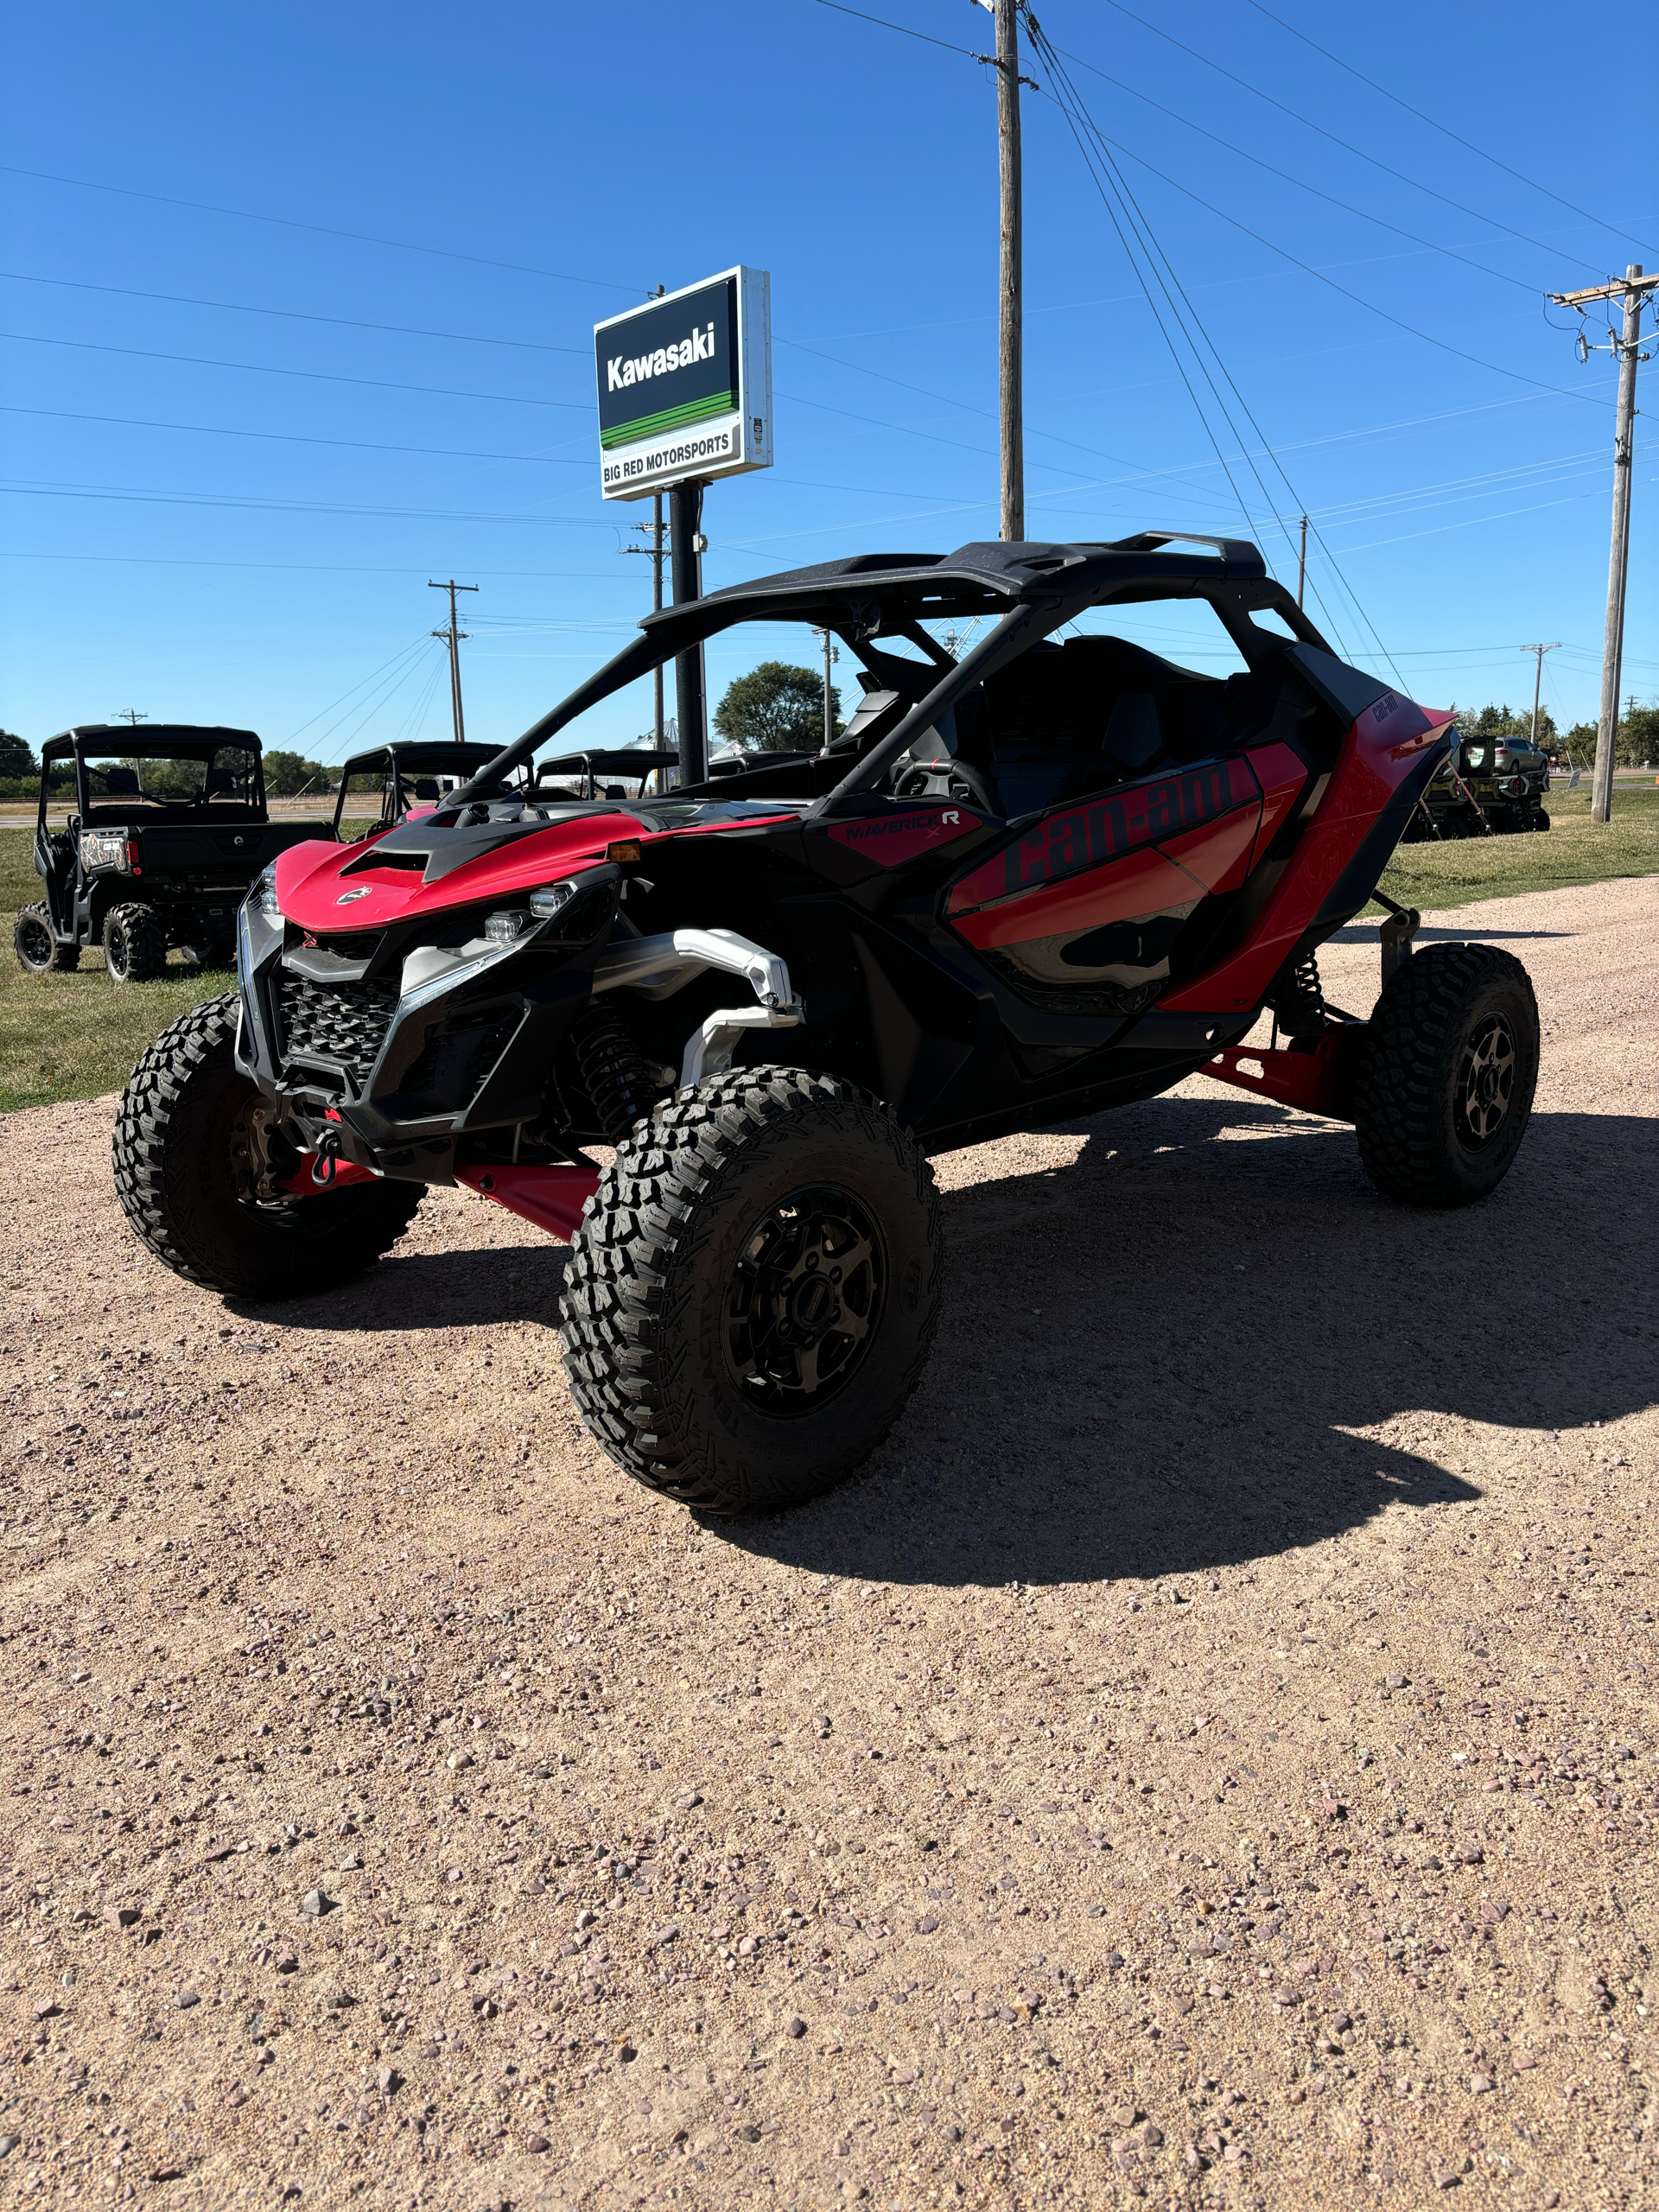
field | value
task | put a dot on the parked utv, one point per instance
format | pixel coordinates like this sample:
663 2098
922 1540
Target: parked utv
168 830
1491 786
1058 874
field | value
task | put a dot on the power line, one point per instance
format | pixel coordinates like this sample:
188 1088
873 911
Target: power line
1571 207
882 23
1285 176
137 496
312 376
318 230
293 437
288 314
1399 176
1156 255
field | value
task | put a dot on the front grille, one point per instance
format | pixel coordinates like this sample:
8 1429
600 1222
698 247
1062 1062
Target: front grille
346 1023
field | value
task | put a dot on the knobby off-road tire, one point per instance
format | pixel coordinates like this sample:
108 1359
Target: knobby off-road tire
38 950
181 1157
735 1222
135 944
1445 1082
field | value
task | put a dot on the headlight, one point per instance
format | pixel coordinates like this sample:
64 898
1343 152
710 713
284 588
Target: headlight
508 926
546 901
104 848
263 896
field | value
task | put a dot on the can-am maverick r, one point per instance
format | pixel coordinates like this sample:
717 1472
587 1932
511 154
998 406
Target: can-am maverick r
1046 878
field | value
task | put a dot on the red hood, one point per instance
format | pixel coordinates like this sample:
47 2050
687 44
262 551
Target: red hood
310 892
310 889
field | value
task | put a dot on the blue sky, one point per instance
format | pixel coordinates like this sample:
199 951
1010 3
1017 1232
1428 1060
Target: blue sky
223 503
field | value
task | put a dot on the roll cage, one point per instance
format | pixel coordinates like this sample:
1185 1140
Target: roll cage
1032 589
240 797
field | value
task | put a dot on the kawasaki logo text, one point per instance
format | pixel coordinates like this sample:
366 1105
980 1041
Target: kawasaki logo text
624 370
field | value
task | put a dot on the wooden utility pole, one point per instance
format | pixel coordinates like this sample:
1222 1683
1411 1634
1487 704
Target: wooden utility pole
1635 291
831 655
131 716
1010 338
1538 681
452 637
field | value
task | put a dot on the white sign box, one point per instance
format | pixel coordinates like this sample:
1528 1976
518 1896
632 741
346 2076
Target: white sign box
685 386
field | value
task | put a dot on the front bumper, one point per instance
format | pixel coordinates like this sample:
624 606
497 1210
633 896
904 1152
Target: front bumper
400 1056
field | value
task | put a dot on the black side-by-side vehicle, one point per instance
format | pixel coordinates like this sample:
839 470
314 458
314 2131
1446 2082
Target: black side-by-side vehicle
167 830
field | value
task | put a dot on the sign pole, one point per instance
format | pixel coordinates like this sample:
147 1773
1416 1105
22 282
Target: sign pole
684 513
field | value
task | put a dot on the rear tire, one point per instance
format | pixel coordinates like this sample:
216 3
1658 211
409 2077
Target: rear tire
754 1291
177 1138
135 944
1540 819
1447 1074
38 950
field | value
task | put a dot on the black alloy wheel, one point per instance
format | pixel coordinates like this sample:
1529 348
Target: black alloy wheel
753 1293
36 946
802 1300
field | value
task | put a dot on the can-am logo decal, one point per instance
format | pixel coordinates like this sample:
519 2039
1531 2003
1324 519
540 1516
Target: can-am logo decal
347 897
1082 836
891 839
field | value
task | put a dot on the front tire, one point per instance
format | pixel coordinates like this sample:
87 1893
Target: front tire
135 944
1447 1074
181 1173
35 944
754 1291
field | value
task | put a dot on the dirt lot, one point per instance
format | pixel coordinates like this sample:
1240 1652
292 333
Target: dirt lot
1210 1758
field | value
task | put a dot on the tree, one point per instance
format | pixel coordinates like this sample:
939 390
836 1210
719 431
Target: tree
1499 722
1638 738
15 758
287 774
777 707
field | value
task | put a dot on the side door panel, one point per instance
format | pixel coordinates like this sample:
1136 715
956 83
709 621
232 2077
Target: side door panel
1080 914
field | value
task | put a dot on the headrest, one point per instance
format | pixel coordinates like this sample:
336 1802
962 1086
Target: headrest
219 780
123 780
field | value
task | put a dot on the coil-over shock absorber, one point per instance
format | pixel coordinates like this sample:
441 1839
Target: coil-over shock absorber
622 1084
1297 1000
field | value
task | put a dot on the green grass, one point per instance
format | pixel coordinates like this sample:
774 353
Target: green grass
1574 849
76 1036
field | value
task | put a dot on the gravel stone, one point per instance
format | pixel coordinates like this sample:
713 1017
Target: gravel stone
1009 1755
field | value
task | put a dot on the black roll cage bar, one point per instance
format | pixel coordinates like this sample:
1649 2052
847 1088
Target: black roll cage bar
1037 588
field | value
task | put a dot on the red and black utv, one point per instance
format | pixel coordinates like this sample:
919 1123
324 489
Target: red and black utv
1058 874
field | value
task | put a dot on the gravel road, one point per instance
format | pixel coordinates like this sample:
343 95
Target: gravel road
1210 1758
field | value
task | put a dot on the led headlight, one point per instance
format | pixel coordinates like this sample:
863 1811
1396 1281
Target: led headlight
262 897
508 926
546 900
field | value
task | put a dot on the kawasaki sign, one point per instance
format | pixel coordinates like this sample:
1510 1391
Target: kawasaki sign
685 386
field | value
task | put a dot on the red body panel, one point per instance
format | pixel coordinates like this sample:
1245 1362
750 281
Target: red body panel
1219 854
1141 883
1077 836
1282 774
552 1197
1378 753
310 892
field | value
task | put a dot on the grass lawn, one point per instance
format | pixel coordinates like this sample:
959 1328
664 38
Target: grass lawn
76 1036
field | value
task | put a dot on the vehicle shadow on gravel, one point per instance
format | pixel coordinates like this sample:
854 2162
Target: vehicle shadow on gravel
1148 1361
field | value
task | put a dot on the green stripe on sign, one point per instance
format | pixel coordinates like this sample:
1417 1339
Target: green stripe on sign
670 418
